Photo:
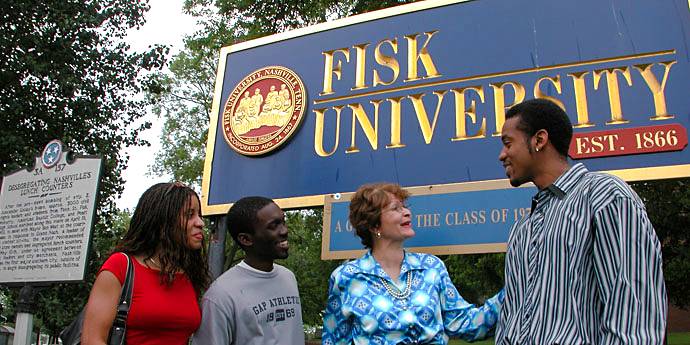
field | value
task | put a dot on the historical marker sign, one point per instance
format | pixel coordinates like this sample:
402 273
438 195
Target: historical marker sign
46 216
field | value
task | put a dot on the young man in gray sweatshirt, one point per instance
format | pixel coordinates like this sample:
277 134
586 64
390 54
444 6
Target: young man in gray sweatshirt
255 302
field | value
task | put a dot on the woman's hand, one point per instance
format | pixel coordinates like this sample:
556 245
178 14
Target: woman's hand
101 309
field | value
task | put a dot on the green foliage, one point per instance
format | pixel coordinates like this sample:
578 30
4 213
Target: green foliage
305 261
185 103
259 18
65 73
668 207
680 338
7 304
478 276
186 92
489 341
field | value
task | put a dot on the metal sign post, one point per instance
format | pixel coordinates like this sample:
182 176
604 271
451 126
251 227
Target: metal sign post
216 249
26 306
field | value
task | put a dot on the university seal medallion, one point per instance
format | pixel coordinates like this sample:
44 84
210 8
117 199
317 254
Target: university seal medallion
263 110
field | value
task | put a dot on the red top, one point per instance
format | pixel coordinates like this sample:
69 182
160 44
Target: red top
159 314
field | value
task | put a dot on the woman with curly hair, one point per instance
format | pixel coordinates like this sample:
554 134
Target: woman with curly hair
391 296
165 241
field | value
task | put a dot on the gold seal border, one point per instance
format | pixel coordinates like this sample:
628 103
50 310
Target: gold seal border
234 105
288 135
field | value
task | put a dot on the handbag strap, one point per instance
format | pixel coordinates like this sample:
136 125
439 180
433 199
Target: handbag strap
125 295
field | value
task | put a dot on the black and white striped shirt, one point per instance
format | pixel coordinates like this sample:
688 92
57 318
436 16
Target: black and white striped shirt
584 267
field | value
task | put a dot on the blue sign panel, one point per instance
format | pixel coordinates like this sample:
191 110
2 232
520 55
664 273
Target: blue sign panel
417 95
460 222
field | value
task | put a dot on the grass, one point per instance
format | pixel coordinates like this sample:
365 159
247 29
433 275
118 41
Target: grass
673 339
679 338
489 341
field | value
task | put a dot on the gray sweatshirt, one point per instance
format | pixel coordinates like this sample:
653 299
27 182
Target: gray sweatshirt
245 306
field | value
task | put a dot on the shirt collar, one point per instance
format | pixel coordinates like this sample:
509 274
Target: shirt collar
565 183
368 265
562 186
246 266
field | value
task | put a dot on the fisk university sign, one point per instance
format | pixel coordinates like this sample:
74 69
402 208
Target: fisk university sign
417 95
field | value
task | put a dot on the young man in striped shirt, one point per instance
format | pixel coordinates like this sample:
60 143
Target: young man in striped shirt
585 266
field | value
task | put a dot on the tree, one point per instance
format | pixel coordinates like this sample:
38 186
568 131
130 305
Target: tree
261 18
66 73
477 276
184 97
668 207
186 93
305 261
185 104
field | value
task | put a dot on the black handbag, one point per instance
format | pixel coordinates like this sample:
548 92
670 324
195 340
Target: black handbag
71 335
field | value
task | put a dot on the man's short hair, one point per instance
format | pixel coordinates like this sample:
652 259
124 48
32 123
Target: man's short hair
539 113
243 215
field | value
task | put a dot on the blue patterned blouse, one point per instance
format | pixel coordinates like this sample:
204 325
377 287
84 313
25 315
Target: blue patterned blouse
361 311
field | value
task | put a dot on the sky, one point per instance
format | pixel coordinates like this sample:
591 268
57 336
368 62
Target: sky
165 24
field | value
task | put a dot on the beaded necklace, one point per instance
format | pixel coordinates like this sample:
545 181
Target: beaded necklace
393 291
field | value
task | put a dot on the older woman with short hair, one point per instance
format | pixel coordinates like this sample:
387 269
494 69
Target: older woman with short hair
392 296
